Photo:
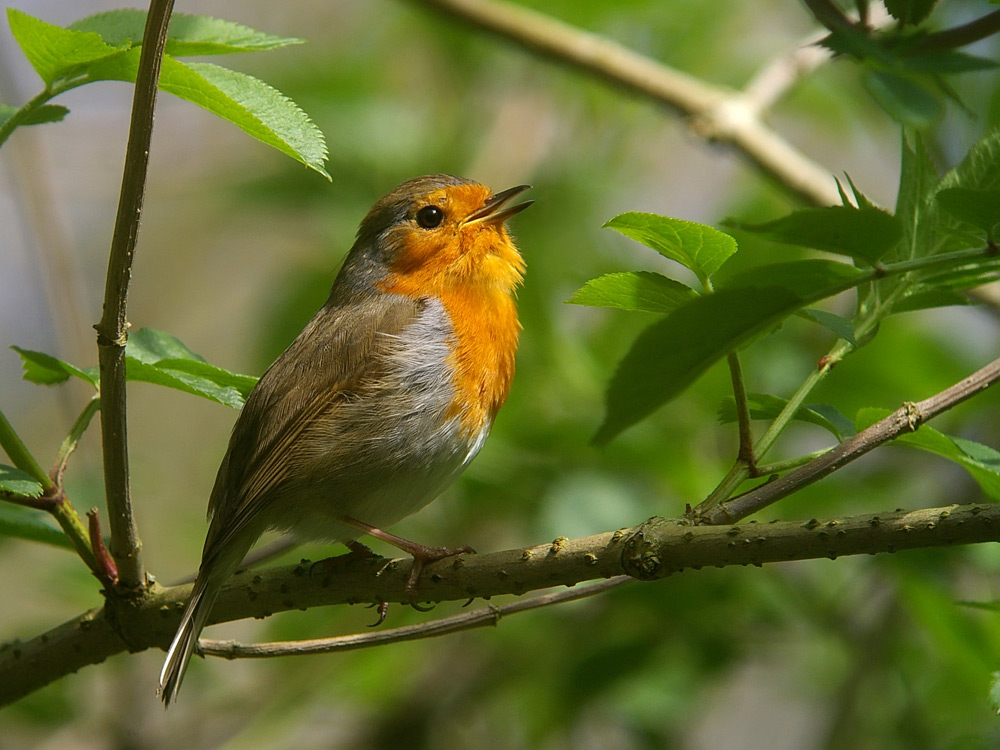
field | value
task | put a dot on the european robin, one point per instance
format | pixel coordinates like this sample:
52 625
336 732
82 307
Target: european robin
383 399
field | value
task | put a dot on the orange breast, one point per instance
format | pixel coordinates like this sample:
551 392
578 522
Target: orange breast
473 274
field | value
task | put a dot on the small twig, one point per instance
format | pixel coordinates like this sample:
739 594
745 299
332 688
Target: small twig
960 35
773 80
745 453
111 331
489 615
718 114
829 15
905 419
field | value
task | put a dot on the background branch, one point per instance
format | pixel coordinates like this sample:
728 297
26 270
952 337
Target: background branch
717 113
126 547
656 549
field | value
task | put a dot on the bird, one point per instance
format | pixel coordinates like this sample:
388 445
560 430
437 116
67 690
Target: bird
385 396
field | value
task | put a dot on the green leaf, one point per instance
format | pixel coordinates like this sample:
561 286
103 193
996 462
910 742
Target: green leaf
866 233
963 277
670 354
910 12
39 116
149 346
250 104
52 50
188 34
765 406
242 384
995 691
981 461
976 206
695 246
640 290
30 524
153 356
48 370
948 61
836 323
917 299
915 209
906 100
18 482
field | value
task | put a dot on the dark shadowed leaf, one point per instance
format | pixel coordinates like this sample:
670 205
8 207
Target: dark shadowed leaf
866 233
670 354
976 206
30 524
904 99
836 323
981 461
48 370
765 406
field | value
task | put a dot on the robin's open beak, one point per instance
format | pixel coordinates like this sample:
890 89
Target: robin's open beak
496 209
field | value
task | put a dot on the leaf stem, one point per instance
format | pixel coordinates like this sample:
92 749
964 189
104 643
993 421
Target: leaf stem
73 438
36 102
780 467
746 453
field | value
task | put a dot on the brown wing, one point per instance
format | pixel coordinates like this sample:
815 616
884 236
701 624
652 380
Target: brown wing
337 355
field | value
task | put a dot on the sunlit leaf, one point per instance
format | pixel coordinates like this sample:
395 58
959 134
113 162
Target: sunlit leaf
250 104
640 290
700 248
18 482
52 50
156 357
188 34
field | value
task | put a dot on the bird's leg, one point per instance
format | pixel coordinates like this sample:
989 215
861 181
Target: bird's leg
421 553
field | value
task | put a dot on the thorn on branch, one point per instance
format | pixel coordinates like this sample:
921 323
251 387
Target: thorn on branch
108 569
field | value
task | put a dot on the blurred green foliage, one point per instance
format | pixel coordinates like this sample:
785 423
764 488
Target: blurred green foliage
237 252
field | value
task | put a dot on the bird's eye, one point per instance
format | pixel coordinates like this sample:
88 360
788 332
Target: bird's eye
430 216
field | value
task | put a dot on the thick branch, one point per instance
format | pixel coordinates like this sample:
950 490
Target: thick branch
656 549
718 113
111 331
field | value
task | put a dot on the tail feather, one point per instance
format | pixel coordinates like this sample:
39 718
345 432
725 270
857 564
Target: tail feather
195 616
